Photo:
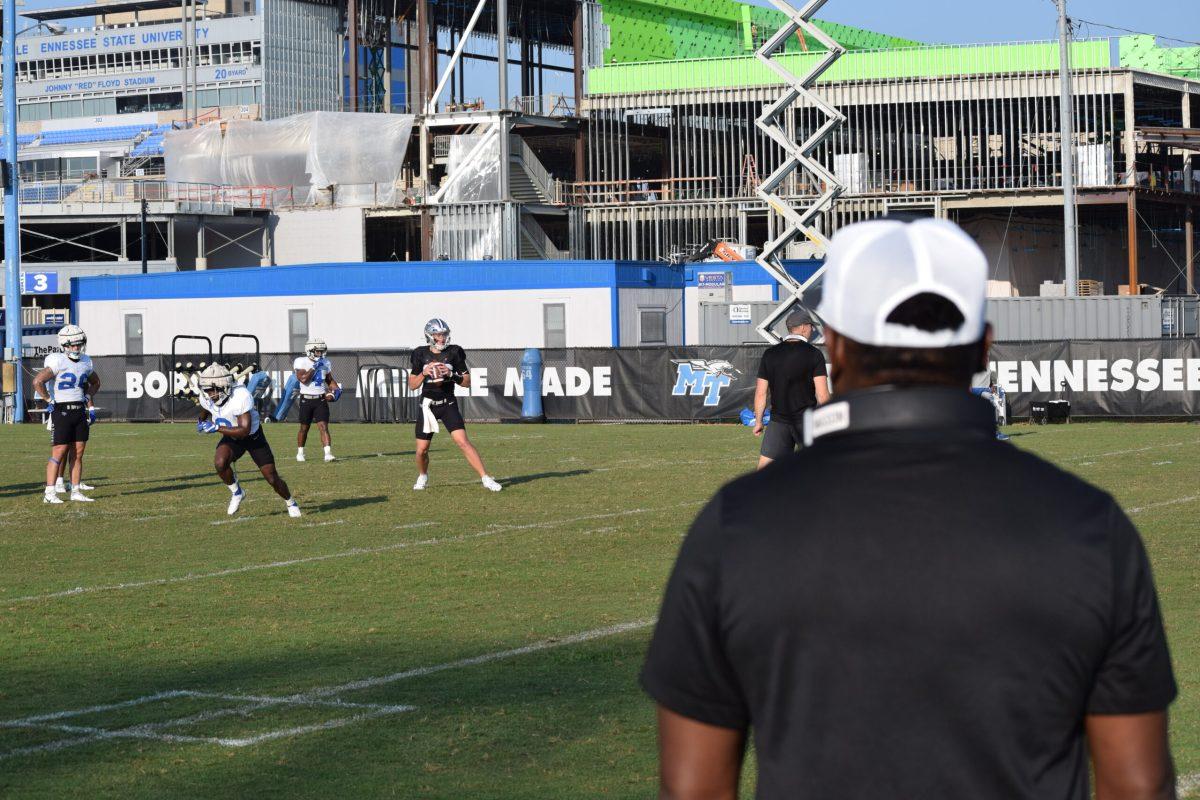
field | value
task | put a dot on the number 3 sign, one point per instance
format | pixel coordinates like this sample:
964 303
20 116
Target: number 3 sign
39 283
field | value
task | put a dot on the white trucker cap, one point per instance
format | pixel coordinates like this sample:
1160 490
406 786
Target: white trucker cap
873 267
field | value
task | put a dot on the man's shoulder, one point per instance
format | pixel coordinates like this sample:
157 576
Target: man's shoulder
53 361
824 472
302 362
421 351
1041 476
774 349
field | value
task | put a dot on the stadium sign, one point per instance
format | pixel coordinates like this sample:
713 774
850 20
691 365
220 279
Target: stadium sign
702 378
1148 378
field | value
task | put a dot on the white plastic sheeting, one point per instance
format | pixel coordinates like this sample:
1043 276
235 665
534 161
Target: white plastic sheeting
319 158
472 168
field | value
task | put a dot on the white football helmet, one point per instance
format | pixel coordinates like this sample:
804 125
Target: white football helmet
315 348
72 336
435 326
216 377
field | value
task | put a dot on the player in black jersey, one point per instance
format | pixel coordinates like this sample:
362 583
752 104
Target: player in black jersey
436 368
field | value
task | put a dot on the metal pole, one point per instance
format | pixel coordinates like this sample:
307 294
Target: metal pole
352 51
431 107
1189 246
195 69
1131 229
12 217
502 52
183 59
502 121
1067 126
144 265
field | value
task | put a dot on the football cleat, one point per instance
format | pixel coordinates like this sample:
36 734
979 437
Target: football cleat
79 497
83 487
293 510
299 455
491 484
422 482
51 497
235 502
60 487
329 457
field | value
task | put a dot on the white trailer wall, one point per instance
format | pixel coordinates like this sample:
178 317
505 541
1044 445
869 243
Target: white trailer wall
354 306
491 319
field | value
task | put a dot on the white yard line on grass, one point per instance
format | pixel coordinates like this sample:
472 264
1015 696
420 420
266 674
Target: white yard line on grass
233 521
1130 452
1162 504
487 658
357 551
1188 786
86 734
321 697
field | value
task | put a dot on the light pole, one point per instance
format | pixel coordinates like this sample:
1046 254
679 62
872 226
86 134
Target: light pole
1067 124
12 220
12 217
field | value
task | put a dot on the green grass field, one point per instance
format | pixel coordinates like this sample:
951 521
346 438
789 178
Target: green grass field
452 643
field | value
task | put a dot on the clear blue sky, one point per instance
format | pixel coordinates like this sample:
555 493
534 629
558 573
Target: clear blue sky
1004 20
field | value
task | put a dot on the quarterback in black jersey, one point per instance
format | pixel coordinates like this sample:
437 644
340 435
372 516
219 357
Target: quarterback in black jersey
436 368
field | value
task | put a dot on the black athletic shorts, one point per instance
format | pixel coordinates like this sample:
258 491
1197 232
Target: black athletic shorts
447 413
781 439
313 409
70 423
256 446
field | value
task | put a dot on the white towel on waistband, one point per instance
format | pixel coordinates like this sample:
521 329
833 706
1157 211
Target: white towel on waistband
431 423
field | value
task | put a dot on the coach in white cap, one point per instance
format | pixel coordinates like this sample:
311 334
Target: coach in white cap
909 608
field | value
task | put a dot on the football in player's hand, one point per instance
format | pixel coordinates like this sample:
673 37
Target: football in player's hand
438 371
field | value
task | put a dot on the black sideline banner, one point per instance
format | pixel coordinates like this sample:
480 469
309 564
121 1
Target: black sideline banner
1147 378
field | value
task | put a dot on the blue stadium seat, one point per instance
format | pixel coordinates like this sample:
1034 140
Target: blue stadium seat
89 135
22 139
46 192
152 145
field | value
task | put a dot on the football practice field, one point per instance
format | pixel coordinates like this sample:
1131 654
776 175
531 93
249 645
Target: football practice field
452 643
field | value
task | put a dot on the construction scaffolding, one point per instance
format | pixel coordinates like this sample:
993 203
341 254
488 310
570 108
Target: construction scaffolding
945 131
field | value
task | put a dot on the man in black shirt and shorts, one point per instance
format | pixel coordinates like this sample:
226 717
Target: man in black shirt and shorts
908 608
793 374
436 369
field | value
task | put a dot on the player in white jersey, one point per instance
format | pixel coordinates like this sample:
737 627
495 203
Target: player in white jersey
227 408
317 390
70 373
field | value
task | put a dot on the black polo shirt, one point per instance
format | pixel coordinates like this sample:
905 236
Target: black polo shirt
910 609
789 369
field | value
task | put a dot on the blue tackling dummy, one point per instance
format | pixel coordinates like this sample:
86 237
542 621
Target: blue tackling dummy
290 390
747 417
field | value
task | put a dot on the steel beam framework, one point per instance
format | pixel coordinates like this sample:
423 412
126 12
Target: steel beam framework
773 122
